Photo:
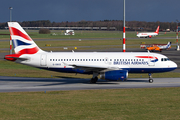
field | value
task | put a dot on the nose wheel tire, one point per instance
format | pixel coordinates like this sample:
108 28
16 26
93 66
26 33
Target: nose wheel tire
150 80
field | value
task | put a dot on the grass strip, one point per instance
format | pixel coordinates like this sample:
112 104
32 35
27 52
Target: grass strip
117 104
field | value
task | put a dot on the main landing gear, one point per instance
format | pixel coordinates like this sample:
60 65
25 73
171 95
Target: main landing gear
94 79
150 78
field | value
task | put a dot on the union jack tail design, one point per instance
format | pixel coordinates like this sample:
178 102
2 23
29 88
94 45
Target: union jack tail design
22 42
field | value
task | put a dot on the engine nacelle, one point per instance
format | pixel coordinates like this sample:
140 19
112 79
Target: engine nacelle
150 36
114 75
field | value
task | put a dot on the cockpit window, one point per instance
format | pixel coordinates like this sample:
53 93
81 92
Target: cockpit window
164 59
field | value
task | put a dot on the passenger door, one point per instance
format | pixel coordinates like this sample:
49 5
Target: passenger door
43 60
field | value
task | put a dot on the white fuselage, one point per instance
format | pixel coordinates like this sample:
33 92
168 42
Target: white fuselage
137 62
148 34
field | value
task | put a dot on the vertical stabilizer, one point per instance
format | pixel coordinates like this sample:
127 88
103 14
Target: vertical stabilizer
168 45
22 42
157 30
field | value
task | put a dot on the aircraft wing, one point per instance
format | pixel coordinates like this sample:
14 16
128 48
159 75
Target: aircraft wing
93 68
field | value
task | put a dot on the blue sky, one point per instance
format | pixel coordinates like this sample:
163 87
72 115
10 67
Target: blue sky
90 10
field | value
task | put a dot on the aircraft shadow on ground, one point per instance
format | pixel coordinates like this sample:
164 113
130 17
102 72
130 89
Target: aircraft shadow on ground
65 80
135 80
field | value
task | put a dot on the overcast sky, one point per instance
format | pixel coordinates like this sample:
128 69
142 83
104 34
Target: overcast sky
90 10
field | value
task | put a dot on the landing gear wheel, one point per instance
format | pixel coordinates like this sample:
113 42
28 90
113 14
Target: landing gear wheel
94 80
150 80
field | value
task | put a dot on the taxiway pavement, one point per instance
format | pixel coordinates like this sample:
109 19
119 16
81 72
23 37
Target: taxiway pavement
21 84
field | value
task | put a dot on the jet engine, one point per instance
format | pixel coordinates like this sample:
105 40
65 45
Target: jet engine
150 36
114 75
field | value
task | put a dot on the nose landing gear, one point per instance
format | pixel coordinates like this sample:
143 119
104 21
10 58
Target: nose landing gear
150 78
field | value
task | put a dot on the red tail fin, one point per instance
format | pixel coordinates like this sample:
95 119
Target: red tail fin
157 30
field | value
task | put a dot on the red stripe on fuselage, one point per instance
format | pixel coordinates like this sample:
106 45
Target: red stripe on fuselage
14 31
146 57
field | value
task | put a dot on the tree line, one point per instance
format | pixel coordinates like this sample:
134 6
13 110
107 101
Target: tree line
118 24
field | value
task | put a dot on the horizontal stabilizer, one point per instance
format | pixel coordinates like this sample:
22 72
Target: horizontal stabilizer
14 57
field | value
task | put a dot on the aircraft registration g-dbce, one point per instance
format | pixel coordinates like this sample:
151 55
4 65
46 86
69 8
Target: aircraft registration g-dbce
148 34
109 65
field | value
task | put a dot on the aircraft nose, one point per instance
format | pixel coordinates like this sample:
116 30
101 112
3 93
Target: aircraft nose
174 65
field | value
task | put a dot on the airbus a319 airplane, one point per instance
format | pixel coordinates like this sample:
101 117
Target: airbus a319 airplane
109 65
148 34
